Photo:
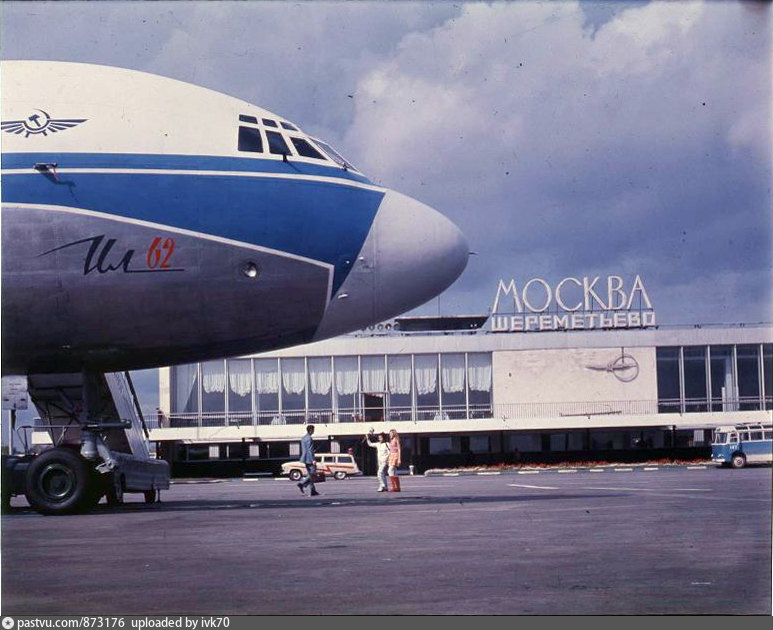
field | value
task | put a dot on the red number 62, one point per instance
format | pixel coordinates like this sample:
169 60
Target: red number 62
159 252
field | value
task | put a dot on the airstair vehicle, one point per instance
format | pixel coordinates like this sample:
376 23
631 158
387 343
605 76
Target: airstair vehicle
89 442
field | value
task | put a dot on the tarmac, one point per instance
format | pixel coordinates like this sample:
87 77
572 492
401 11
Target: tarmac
609 540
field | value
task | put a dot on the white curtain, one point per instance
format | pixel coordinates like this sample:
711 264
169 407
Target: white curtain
320 375
185 377
425 367
293 376
347 375
453 372
400 374
239 377
213 377
373 375
266 376
479 372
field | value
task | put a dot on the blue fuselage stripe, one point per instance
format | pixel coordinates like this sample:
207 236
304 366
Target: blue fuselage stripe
320 220
178 162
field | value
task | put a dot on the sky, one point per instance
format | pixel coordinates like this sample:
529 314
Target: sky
563 138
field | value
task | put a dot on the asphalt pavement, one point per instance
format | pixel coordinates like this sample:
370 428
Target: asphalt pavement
611 540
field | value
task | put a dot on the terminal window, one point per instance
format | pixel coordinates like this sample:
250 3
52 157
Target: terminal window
748 365
695 389
668 380
719 378
722 381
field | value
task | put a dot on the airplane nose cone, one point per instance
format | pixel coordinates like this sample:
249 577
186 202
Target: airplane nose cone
411 254
419 253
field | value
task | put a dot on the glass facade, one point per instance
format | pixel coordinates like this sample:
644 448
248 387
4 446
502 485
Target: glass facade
715 378
444 386
366 388
435 387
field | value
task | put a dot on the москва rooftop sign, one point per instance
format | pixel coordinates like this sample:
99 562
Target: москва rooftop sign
573 304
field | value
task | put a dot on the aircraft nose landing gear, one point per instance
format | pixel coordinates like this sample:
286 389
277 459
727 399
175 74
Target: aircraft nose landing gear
96 451
59 481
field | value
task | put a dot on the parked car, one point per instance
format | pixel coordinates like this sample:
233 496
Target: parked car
336 465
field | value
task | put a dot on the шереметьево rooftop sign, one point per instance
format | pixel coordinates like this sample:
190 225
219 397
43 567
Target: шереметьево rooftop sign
584 303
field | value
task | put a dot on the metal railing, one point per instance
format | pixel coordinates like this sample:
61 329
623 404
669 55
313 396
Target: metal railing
509 411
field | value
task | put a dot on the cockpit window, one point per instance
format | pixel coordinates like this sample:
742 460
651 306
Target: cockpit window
305 149
258 139
276 143
333 155
250 140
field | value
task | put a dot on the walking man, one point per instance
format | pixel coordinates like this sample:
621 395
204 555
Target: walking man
307 457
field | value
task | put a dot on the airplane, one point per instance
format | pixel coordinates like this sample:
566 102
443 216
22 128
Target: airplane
148 222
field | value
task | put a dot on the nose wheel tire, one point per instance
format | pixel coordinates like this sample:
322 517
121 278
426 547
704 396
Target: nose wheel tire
59 481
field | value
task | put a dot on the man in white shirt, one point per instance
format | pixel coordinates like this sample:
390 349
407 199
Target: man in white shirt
382 453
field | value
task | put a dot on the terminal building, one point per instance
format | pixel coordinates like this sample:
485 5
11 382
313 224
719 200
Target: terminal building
472 391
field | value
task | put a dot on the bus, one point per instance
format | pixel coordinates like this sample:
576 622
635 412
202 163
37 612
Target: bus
740 444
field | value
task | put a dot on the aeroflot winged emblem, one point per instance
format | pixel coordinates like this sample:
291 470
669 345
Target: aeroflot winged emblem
39 123
625 368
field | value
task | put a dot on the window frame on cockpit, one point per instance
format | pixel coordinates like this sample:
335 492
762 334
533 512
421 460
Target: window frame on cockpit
289 132
322 156
334 155
270 133
242 134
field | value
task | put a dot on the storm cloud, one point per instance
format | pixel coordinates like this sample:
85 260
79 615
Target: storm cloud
638 147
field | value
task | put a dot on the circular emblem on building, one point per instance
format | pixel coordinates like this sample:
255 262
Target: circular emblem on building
625 368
